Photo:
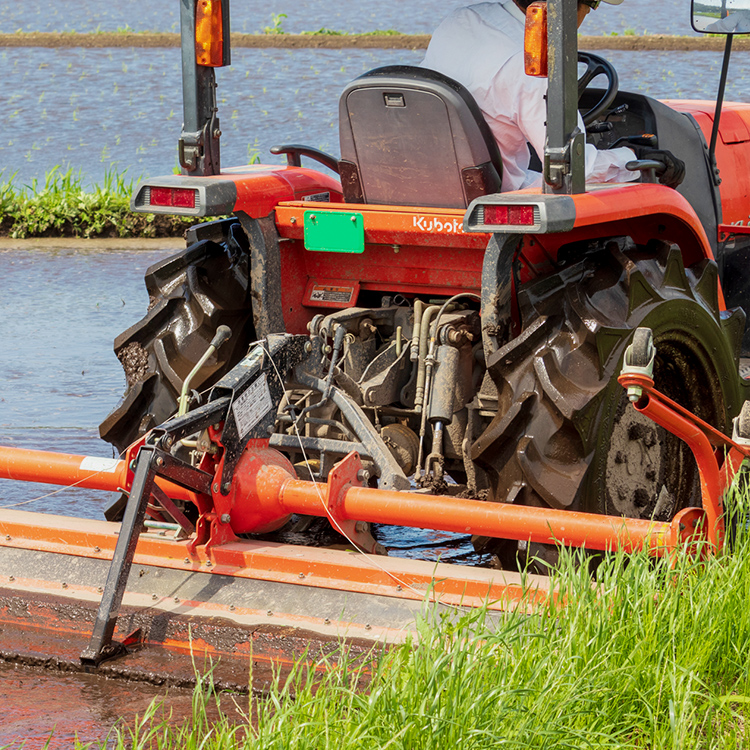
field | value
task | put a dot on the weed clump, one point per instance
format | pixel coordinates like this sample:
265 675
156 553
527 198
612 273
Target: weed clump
646 654
63 207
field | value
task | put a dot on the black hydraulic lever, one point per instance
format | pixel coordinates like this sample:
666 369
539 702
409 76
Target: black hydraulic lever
100 646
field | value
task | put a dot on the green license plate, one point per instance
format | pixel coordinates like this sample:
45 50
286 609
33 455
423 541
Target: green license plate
334 232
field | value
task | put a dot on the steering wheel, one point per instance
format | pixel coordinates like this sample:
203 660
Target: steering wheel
595 66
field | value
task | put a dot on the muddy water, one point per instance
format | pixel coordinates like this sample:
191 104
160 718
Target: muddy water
59 313
58 709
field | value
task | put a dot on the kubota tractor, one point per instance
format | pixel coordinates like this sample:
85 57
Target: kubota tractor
457 337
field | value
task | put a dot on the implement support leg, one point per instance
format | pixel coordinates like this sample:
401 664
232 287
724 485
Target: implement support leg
100 647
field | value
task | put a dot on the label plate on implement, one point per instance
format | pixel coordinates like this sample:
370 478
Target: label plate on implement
252 405
334 232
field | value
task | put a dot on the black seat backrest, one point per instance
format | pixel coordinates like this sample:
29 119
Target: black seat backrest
414 137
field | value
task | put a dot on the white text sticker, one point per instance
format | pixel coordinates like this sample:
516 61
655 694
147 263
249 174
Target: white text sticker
252 405
106 465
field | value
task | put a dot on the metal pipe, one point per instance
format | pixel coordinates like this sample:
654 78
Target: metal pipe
500 520
564 155
222 334
276 492
414 351
424 334
107 474
720 100
703 452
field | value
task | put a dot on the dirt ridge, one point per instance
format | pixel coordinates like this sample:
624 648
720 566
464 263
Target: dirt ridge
345 41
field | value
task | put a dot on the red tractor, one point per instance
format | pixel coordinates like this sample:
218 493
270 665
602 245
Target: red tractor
461 338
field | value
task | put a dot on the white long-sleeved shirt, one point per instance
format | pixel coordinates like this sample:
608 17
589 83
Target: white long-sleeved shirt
481 47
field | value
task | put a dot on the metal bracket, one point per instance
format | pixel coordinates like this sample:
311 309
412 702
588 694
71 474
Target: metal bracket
345 474
558 164
286 351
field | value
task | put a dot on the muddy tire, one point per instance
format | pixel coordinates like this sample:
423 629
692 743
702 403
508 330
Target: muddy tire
565 435
191 294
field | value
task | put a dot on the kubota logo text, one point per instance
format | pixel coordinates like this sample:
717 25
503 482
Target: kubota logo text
433 224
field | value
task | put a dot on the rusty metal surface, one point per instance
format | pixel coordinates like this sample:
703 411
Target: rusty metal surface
165 647
340 571
248 603
179 619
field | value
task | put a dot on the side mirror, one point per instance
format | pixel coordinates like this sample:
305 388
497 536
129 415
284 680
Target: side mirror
721 16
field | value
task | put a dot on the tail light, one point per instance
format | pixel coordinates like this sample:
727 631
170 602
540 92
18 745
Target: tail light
513 215
535 42
172 197
532 213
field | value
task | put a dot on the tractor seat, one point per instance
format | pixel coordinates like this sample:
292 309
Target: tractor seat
414 137
410 137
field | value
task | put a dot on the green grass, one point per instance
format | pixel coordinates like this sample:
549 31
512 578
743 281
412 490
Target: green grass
649 655
61 206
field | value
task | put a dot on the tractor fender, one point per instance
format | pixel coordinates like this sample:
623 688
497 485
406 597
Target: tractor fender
254 190
643 211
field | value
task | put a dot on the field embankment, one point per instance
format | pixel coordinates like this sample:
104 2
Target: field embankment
335 40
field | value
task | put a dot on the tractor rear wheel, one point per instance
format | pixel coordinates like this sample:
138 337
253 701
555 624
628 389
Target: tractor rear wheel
565 435
191 294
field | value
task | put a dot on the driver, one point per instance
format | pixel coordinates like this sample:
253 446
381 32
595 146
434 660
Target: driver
482 47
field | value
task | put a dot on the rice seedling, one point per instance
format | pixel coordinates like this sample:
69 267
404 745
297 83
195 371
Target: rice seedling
645 655
62 207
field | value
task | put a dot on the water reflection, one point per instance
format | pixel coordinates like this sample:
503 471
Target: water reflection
251 16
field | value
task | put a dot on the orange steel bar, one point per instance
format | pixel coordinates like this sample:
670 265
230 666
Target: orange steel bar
62 469
699 444
275 486
701 438
545 525
67 470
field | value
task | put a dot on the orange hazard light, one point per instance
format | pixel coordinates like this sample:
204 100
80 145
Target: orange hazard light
535 42
209 33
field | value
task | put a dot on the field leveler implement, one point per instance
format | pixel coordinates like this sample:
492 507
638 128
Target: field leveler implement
392 340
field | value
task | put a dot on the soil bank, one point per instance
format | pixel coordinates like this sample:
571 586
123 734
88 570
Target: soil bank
347 41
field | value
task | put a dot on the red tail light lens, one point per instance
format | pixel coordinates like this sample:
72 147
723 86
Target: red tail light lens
173 197
510 215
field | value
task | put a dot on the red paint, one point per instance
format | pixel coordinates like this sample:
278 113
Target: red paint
261 187
732 152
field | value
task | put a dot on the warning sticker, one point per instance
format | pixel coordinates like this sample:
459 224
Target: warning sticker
102 465
252 405
342 294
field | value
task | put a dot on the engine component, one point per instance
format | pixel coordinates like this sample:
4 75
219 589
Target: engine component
403 443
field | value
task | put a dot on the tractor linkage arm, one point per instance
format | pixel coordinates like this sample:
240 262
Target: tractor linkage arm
718 457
